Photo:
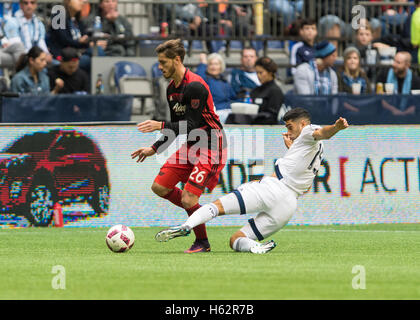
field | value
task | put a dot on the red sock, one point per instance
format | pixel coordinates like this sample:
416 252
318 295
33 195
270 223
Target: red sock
175 197
200 230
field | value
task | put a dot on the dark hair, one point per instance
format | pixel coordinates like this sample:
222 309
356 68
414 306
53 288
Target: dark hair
78 15
417 2
172 48
23 60
68 54
268 64
248 48
297 113
307 22
99 10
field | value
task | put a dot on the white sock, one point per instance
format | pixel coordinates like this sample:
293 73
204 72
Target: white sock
243 244
202 215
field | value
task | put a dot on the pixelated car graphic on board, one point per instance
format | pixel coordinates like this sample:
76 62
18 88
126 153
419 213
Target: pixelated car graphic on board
41 169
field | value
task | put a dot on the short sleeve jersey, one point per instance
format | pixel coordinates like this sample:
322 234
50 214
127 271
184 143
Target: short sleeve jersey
301 162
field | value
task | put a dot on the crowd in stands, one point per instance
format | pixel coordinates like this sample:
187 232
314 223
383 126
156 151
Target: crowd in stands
53 60
59 57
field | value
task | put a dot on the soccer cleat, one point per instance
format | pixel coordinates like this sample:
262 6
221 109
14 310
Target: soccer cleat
170 233
199 246
265 247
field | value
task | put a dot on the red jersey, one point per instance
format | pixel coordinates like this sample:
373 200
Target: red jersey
192 107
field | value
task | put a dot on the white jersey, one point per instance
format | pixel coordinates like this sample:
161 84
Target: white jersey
301 162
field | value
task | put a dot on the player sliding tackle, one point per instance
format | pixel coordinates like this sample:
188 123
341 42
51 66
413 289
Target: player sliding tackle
274 197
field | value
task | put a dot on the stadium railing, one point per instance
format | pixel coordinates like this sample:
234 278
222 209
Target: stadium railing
261 23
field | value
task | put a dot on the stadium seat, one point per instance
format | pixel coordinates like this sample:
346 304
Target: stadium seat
156 73
197 45
131 78
159 89
218 45
148 47
257 45
236 44
126 69
275 44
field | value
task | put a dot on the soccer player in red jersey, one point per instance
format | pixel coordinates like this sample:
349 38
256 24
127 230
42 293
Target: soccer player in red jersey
199 161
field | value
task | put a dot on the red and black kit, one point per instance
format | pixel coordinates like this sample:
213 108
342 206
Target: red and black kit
197 163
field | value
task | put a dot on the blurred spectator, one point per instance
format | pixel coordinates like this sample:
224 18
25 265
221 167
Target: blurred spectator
288 9
73 78
31 77
9 8
114 25
403 81
395 26
400 74
232 19
194 21
364 40
269 95
199 18
11 45
85 9
31 29
317 76
376 28
340 8
211 70
393 19
330 27
351 73
304 50
245 79
415 30
73 35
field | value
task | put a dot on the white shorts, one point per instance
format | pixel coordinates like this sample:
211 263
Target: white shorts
274 202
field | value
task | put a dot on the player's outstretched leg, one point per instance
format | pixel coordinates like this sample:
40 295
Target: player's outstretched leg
241 243
170 233
200 216
191 205
263 247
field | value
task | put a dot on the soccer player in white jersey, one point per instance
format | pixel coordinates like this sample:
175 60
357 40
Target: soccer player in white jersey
274 198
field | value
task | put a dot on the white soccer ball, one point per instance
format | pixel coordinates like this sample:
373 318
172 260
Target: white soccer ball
120 238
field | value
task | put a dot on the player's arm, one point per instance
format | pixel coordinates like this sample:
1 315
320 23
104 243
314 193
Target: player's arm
328 131
165 140
195 97
143 153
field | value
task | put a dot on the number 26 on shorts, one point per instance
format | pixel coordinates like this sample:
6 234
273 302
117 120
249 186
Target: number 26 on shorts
197 176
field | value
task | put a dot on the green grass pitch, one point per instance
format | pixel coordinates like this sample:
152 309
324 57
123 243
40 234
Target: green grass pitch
310 262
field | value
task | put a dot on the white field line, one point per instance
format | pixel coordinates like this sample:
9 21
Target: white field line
337 230
95 229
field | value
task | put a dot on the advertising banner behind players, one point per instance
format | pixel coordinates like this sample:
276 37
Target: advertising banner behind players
369 174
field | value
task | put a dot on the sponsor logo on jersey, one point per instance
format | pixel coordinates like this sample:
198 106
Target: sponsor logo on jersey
195 103
179 108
